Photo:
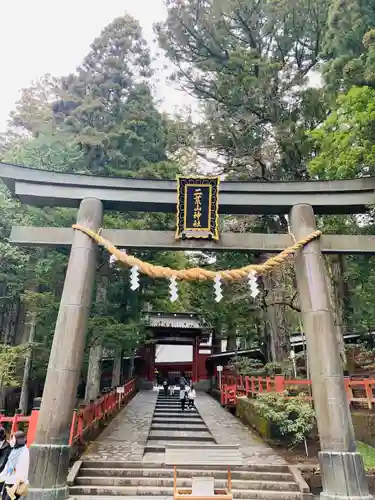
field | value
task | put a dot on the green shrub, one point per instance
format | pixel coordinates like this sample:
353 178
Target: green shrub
294 418
246 366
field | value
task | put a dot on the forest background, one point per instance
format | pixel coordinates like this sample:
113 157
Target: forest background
286 91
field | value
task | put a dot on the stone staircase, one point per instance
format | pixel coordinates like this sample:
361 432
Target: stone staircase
172 425
106 480
151 479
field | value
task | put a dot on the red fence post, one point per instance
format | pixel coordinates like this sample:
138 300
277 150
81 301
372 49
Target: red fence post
260 384
279 383
72 428
33 420
368 388
247 386
268 384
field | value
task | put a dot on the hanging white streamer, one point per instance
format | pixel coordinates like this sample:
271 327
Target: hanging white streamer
253 284
134 278
173 290
217 288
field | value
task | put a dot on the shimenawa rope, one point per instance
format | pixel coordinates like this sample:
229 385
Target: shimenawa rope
197 273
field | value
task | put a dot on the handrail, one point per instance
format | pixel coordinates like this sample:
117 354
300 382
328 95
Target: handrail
84 419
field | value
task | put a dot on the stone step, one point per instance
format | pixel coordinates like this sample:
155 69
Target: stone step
191 421
179 427
168 491
119 497
172 435
176 409
88 471
121 464
183 483
175 414
171 404
168 400
167 407
158 446
154 458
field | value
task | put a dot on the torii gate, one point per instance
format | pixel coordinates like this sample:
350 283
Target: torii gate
342 467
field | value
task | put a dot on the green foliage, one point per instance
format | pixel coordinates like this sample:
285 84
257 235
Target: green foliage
10 357
247 62
362 356
246 366
346 40
345 142
242 365
46 151
368 455
294 417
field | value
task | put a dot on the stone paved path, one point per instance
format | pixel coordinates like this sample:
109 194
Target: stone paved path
125 437
227 429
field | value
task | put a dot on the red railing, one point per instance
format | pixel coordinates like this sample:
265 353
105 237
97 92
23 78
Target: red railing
84 419
359 392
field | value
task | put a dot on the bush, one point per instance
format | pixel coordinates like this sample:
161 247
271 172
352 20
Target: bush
246 366
294 417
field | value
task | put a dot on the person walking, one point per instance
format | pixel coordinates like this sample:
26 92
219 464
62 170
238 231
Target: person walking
182 396
171 389
5 449
165 387
183 380
15 475
191 397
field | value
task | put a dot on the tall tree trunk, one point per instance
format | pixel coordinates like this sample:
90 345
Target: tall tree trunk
30 325
231 341
94 372
216 337
131 366
277 323
336 296
116 371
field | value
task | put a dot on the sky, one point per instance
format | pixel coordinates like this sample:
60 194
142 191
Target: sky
41 36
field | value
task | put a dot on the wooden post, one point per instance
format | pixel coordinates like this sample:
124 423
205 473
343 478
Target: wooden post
50 452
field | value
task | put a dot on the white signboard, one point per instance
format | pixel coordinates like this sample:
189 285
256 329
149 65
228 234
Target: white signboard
219 368
120 390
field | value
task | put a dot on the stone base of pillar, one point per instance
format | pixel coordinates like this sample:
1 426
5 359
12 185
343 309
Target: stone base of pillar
49 466
48 494
343 476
